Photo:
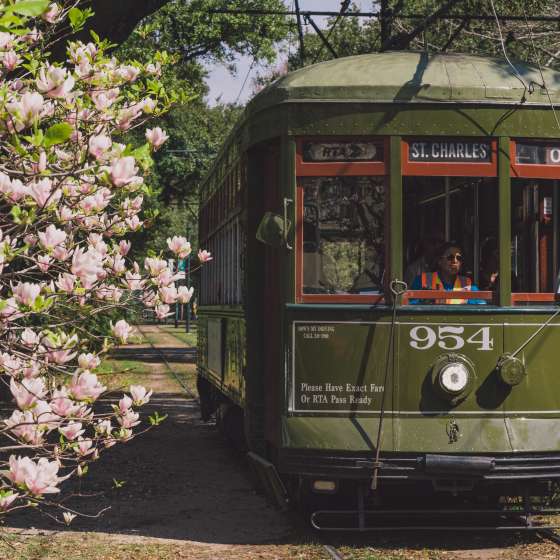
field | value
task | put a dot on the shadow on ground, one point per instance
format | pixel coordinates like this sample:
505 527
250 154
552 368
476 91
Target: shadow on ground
152 355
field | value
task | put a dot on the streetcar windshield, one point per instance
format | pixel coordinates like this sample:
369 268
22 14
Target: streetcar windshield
441 210
343 235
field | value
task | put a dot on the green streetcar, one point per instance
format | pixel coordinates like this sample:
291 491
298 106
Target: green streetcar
344 384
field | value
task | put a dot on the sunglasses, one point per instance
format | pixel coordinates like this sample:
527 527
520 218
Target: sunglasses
458 257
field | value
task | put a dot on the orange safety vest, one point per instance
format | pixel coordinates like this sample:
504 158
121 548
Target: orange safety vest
432 281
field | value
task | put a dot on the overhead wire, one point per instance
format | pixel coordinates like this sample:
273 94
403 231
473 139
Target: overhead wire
502 43
343 7
544 86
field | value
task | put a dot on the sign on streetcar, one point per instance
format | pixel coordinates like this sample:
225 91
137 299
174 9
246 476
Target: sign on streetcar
449 151
537 153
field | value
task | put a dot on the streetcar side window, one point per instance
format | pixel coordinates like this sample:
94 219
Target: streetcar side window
343 234
534 228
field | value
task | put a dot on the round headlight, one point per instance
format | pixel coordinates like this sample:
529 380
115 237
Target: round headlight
454 378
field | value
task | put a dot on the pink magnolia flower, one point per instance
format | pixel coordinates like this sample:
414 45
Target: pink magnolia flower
6 500
154 265
124 247
133 223
66 282
42 477
121 330
51 237
133 280
129 419
123 171
29 337
52 13
124 404
88 361
10 364
55 82
103 99
99 145
31 106
26 293
20 469
184 294
139 395
204 256
87 266
84 447
62 405
27 391
10 311
85 386
6 40
156 137
10 60
168 294
162 311
128 73
60 253
41 192
179 245
60 356
104 427
44 262
24 427
72 430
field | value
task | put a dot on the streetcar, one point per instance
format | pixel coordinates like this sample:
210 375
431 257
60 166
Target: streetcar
345 384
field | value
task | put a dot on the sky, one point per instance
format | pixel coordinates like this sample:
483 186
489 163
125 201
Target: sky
228 88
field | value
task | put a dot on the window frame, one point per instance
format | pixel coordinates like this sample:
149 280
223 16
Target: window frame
532 171
338 169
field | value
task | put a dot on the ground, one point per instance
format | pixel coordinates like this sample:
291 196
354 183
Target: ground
180 492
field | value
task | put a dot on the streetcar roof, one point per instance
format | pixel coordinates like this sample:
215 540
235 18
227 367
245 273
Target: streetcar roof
415 77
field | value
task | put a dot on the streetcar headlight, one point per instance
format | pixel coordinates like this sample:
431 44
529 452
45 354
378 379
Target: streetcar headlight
454 378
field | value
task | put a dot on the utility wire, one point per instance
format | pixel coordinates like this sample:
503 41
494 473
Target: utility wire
541 72
244 82
343 7
308 13
515 71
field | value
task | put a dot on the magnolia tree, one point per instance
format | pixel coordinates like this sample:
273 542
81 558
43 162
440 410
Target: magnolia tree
69 192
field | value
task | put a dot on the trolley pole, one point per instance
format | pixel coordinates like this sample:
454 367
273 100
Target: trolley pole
176 303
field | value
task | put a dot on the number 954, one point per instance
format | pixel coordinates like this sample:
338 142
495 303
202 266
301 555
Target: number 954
423 337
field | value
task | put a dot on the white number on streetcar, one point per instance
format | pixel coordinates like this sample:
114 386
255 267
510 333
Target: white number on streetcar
423 337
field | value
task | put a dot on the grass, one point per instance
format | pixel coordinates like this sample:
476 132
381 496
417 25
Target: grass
116 374
92 546
179 333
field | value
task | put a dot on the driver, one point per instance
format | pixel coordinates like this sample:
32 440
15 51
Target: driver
446 277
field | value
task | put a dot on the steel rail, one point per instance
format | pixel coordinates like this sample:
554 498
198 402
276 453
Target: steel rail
450 17
332 552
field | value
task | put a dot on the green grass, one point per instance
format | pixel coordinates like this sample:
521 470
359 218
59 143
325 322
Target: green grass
122 373
179 333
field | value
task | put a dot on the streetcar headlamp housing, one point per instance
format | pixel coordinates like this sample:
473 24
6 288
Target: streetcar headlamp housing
453 377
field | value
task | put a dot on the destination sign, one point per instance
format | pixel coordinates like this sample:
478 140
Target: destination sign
453 151
342 151
537 153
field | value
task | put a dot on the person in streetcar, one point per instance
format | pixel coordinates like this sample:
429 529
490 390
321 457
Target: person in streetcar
446 277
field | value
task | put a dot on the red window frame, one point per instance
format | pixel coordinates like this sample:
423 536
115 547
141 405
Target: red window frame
449 169
532 171
332 169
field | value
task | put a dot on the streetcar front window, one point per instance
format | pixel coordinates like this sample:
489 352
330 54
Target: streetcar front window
343 235
462 213
534 226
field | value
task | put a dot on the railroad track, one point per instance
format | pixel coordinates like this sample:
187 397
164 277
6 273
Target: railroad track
159 352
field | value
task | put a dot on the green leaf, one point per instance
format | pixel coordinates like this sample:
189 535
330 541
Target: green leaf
57 134
143 156
31 8
79 17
